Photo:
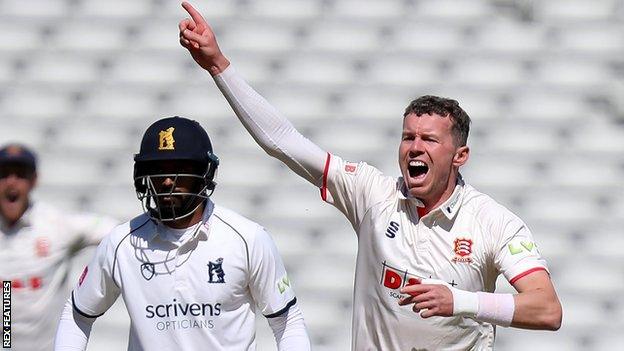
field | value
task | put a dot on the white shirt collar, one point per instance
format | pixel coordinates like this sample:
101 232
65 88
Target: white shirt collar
199 231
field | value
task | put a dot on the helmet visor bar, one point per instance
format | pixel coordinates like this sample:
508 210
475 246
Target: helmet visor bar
168 203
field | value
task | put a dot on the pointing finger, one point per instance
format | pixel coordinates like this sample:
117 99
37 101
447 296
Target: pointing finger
195 15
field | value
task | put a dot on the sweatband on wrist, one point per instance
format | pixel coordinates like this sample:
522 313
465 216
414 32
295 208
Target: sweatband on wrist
465 303
486 307
495 308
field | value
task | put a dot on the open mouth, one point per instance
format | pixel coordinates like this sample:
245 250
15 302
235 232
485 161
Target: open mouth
417 169
12 196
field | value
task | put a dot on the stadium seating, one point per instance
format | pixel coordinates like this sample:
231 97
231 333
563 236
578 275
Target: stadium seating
543 81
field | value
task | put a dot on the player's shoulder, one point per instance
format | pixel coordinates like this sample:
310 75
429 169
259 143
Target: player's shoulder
137 226
235 223
366 173
484 208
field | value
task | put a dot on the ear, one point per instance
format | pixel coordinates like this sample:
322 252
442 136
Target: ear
461 156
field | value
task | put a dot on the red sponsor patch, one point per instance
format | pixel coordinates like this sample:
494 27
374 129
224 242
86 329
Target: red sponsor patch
42 246
83 275
351 167
463 250
35 282
394 278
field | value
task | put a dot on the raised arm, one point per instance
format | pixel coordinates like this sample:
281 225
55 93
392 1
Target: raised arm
274 133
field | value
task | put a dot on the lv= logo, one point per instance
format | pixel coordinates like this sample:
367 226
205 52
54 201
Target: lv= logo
515 249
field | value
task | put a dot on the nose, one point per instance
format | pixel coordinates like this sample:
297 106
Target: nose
416 147
167 183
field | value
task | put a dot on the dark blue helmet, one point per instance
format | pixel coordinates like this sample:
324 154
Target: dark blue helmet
174 141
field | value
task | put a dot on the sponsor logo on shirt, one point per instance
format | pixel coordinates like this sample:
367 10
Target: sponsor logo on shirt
395 278
283 284
518 247
178 315
34 283
148 270
463 250
351 167
215 271
392 229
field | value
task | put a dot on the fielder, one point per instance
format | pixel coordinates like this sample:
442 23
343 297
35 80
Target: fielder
430 246
37 244
191 273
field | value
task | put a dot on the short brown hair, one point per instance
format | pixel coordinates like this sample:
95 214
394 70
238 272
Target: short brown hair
430 104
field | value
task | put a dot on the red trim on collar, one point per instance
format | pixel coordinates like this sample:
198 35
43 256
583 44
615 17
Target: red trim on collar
525 273
422 211
325 171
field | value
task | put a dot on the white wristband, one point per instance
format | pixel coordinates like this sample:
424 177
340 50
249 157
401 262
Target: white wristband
486 307
465 303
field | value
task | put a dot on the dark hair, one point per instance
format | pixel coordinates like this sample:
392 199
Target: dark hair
430 104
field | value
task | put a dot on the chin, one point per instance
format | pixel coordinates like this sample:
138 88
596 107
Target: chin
11 214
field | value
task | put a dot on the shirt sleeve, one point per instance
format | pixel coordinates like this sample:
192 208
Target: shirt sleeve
272 131
290 331
72 333
97 290
269 284
516 253
354 187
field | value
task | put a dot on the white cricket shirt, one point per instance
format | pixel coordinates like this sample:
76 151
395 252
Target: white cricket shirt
467 241
35 255
197 291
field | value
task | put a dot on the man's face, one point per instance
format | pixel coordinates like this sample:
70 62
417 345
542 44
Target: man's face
429 157
173 184
16 182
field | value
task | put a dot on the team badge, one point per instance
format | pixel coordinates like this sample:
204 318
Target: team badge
42 247
147 270
216 274
463 250
14 150
166 139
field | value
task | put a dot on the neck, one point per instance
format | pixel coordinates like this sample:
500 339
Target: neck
432 204
436 201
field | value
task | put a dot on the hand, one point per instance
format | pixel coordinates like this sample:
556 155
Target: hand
431 297
197 36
